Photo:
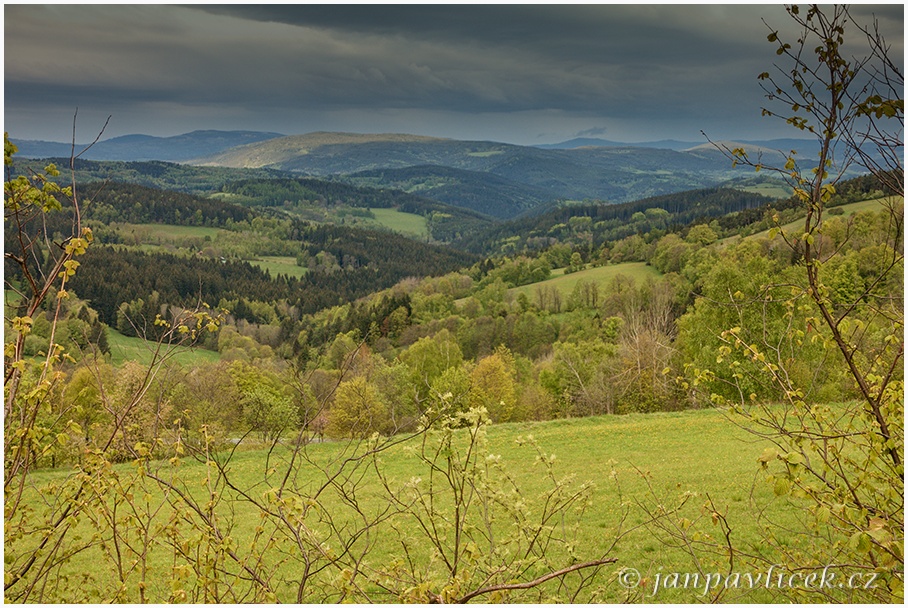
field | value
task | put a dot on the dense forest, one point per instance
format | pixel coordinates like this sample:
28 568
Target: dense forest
362 292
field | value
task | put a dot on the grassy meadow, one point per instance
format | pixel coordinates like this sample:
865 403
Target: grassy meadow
279 264
797 226
125 348
635 462
768 189
638 271
166 232
408 224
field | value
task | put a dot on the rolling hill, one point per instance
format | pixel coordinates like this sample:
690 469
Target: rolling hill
484 192
500 180
615 174
146 147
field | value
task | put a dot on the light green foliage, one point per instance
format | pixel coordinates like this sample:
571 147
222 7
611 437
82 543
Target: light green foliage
341 350
519 271
234 346
208 404
449 393
748 291
429 357
494 385
701 234
394 383
670 253
829 313
268 412
83 393
579 377
433 306
265 400
630 249
358 410
576 264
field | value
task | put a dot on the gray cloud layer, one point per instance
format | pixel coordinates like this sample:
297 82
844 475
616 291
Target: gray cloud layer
515 73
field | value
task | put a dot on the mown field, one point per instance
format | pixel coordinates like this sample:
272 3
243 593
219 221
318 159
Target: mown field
636 462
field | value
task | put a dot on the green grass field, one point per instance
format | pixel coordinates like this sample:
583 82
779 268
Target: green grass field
124 348
638 271
409 224
279 264
770 190
168 231
633 461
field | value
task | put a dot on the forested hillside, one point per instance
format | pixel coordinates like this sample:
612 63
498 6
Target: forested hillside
327 200
592 224
361 288
489 194
156 174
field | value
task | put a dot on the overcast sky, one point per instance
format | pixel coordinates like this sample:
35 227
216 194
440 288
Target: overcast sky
525 74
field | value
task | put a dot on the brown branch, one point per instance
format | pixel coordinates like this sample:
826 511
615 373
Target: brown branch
535 582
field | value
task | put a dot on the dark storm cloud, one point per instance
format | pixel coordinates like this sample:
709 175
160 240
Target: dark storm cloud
595 131
442 70
580 33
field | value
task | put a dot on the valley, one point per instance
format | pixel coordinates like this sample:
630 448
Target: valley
346 354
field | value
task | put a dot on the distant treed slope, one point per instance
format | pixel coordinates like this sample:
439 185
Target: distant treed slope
369 261
157 174
275 192
118 202
483 192
105 202
610 222
446 221
614 174
110 276
277 151
617 175
146 147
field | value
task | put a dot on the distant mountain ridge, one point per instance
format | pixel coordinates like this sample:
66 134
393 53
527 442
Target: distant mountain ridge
277 152
178 148
803 146
582 142
614 174
498 179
